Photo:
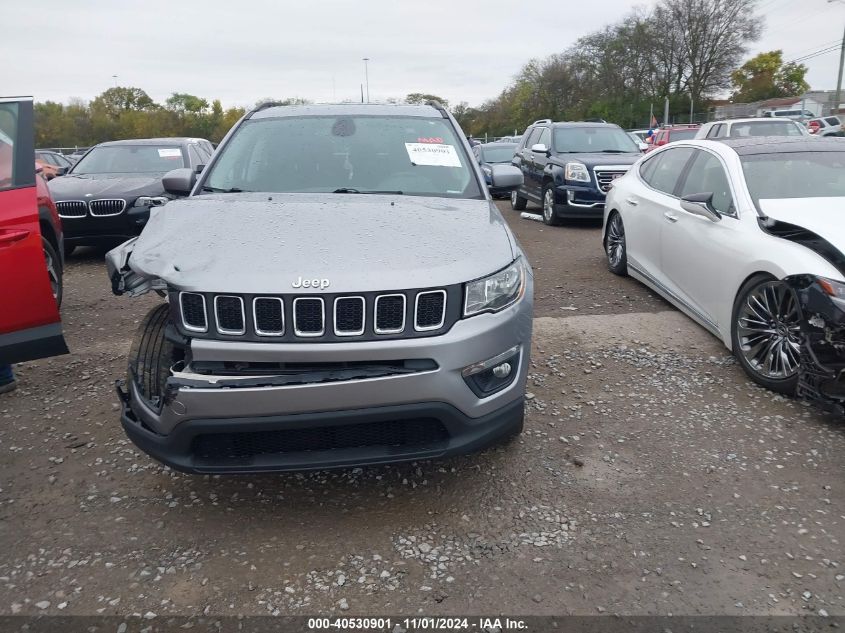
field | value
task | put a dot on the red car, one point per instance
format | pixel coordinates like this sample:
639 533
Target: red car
672 133
30 245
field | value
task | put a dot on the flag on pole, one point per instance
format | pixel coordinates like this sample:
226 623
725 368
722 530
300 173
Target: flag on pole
653 122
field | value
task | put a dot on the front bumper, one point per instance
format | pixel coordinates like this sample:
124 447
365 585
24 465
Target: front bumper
196 405
578 202
105 230
821 374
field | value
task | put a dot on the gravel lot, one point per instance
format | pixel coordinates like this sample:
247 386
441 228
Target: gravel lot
652 478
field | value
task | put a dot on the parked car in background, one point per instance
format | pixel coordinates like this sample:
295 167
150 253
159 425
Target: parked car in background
106 197
796 114
74 156
52 163
744 236
569 167
30 245
741 128
489 154
341 292
672 133
826 126
509 139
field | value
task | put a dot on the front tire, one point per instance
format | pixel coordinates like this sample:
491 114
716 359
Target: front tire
615 246
765 333
549 217
54 270
151 355
518 202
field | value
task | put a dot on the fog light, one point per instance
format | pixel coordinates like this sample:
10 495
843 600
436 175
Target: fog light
502 371
494 374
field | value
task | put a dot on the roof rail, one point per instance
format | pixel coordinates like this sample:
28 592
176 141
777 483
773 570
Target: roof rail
264 106
538 121
439 107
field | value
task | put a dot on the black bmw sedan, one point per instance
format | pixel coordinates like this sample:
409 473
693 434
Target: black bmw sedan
106 197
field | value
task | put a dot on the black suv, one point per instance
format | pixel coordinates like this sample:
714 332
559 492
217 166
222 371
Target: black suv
569 167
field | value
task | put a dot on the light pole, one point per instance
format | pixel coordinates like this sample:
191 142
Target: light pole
367 78
115 80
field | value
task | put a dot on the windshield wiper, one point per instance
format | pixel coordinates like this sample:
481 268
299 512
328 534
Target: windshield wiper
615 151
352 190
221 190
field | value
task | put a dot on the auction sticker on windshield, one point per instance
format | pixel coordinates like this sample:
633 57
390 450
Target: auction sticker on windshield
437 154
170 152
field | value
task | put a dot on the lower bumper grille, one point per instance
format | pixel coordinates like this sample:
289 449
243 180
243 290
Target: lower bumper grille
416 432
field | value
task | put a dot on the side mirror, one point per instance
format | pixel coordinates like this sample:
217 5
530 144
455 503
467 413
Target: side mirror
506 177
61 171
540 148
643 146
701 204
179 182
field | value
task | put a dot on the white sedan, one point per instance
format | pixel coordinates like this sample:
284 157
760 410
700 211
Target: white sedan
746 236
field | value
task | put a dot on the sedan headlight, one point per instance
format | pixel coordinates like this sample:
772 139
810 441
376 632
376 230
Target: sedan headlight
576 172
495 292
832 288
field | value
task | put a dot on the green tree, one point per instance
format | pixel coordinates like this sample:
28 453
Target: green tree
419 98
183 102
765 76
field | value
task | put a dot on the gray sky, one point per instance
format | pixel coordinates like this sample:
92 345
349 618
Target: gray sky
240 52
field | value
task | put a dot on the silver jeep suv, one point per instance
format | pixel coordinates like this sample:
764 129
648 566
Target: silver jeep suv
340 291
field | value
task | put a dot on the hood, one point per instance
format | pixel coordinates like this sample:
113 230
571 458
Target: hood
93 186
263 243
822 216
592 160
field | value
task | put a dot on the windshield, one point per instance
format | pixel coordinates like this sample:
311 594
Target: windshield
345 154
593 139
502 154
131 159
795 175
765 128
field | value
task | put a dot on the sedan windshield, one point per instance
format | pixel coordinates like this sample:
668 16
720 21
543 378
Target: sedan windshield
795 175
345 154
130 159
593 139
502 154
765 128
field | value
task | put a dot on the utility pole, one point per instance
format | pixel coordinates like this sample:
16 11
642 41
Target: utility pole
666 111
690 107
367 78
836 101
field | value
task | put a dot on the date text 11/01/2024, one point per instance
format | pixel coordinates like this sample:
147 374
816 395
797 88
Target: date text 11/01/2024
406 625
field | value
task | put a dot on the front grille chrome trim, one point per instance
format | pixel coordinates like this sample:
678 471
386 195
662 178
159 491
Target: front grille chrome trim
66 204
296 329
115 206
227 331
376 328
258 330
339 332
427 328
185 324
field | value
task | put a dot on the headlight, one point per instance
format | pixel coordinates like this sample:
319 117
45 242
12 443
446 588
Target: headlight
832 288
495 292
577 172
151 201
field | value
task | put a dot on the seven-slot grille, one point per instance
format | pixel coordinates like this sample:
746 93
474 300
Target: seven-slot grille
113 206
72 208
605 178
389 314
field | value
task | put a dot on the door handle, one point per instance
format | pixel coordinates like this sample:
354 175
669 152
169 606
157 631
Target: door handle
631 201
670 216
12 236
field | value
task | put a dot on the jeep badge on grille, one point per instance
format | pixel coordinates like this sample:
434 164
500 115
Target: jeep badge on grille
322 284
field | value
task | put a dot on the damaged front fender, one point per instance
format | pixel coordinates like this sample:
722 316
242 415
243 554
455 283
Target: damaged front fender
821 375
124 280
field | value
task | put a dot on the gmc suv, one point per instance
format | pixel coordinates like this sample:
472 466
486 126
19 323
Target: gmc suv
340 290
568 167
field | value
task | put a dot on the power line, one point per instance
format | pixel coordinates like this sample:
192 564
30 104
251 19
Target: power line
814 54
